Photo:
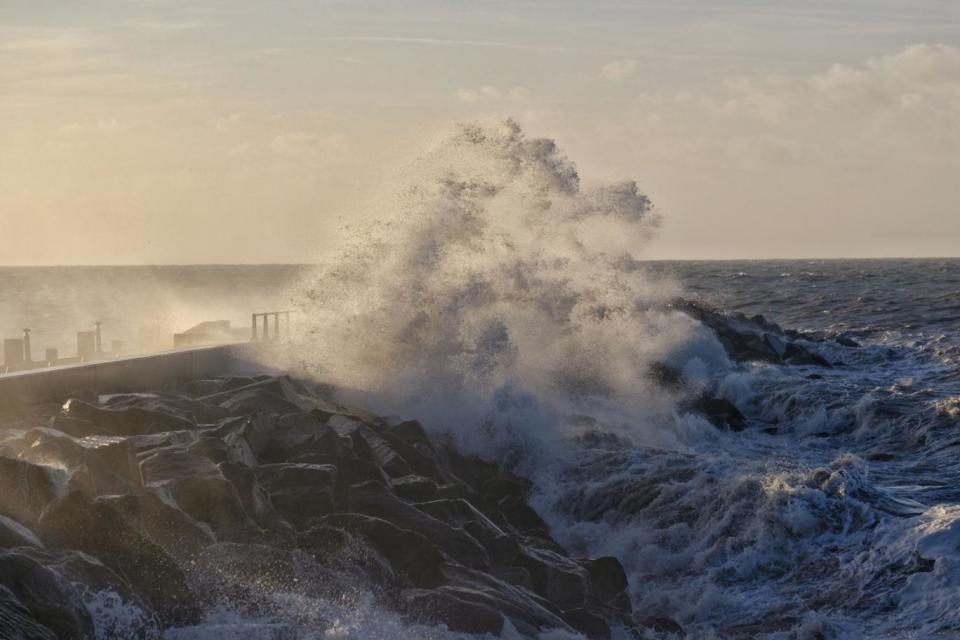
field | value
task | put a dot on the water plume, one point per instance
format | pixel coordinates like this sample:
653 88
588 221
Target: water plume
493 286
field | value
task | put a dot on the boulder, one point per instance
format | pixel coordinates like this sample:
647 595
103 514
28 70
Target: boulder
415 488
127 421
555 577
48 596
27 488
374 499
95 527
450 608
17 621
412 557
298 489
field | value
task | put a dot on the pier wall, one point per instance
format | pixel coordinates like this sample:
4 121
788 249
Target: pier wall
135 373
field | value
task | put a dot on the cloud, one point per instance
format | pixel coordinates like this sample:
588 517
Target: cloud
618 69
488 92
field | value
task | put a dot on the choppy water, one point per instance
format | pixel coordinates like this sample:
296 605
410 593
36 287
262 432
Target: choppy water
509 306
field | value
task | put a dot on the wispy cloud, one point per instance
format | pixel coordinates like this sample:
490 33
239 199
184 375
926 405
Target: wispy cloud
618 69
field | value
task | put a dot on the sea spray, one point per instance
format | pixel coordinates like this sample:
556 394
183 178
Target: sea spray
492 289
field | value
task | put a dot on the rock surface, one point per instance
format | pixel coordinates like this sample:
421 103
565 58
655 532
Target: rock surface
242 488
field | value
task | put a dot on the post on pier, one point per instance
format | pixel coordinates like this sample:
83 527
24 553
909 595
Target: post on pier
253 327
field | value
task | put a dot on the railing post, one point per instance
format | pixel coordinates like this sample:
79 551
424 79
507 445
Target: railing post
27 356
253 328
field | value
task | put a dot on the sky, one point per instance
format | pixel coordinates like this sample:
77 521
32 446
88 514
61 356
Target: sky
167 131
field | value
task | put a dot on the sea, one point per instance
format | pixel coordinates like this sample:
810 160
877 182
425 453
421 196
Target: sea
836 513
500 299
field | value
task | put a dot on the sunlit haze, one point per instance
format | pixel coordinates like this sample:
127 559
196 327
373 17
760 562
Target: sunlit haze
165 131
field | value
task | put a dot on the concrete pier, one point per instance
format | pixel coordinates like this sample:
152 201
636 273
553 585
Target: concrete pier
154 372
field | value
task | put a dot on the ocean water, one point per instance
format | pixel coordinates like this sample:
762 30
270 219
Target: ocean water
57 302
500 301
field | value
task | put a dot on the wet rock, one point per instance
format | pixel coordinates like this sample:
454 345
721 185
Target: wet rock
522 518
607 579
415 488
124 421
257 400
588 623
92 526
722 413
411 556
299 490
14 534
501 548
27 488
17 622
450 608
198 487
374 499
48 596
300 434
555 577
660 624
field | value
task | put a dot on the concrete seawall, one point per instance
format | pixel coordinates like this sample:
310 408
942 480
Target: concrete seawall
153 371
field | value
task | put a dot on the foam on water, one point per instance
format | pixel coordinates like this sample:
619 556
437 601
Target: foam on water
496 298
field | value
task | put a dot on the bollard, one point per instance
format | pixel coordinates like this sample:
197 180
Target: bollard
27 355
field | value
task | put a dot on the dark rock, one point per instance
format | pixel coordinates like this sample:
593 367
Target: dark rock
501 548
608 580
27 488
257 400
125 421
722 413
412 556
48 596
588 623
448 607
522 518
92 526
17 622
660 624
14 534
374 499
199 488
301 490
528 612
299 434
415 488
555 577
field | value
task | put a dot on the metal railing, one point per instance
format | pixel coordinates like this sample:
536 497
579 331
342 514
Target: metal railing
263 335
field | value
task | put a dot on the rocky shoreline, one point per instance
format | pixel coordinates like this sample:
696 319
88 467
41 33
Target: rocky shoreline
235 490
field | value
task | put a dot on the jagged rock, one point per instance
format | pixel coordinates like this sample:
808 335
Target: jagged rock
368 444
125 421
108 461
301 490
555 577
94 527
27 488
607 580
411 555
449 607
415 488
722 413
501 548
258 400
49 597
661 624
588 623
299 434
528 612
17 622
522 518
198 487
373 499
14 534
